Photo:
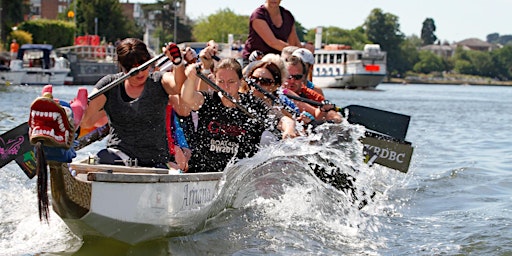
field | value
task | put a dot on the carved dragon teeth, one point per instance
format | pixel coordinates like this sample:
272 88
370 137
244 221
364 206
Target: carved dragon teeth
48 123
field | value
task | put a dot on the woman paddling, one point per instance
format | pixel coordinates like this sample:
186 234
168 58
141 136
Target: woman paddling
136 109
225 131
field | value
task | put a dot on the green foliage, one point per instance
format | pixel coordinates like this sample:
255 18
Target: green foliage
428 63
218 25
502 59
355 38
111 23
55 32
384 29
463 67
474 63
495 38
409 51
427 32
12 14
301 31
22 37
164 22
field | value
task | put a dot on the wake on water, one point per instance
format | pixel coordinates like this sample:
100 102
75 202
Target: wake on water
275 203
272 202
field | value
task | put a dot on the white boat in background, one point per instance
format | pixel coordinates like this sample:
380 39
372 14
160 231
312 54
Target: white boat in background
352 69
36 64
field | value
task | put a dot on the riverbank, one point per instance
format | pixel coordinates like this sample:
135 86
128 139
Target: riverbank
450 80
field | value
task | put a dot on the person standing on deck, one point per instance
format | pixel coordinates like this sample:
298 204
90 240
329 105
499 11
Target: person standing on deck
271 28
15 47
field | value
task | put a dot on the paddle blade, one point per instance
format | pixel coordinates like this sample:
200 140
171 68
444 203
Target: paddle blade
14 143
27 163
387 153
390 123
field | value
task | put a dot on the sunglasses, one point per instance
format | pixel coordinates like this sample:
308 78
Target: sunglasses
296 77
262 81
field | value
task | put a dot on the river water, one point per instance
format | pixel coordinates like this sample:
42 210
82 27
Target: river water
456 198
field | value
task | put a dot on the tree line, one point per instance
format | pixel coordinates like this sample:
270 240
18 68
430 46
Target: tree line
404 55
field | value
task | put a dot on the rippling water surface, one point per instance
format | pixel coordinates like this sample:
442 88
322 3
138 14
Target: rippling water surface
455 200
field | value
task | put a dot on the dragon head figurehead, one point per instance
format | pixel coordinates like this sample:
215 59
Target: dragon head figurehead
51 121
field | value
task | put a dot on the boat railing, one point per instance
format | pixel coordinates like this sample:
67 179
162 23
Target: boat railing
100 53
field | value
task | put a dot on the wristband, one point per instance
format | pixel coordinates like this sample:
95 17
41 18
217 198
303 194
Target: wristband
308 115
206 71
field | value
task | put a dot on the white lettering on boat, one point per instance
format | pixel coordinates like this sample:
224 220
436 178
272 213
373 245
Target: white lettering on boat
223 146
196 196
386 153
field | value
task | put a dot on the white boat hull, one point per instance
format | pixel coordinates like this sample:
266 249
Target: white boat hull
34 77
11 77
36 65
349 81
132 207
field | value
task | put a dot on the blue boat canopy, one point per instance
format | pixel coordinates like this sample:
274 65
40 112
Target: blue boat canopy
45 48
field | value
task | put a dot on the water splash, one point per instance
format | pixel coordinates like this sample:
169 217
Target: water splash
276 199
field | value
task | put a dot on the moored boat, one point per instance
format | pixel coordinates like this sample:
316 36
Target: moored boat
351 69
89 63
36 64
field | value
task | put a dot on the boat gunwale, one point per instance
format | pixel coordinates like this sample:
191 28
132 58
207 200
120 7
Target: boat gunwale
126 174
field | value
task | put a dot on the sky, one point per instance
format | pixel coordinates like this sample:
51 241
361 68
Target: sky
455 20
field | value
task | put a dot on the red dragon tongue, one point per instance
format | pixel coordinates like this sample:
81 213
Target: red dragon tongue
49 122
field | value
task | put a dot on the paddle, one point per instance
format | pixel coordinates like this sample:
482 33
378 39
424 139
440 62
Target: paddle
15 144
386 122
378 148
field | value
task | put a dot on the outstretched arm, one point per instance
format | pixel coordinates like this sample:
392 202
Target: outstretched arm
172 81
189 94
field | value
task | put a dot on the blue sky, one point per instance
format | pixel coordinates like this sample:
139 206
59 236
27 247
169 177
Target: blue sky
455 19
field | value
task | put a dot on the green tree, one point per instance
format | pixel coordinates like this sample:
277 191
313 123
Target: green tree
218 25
384 29
427 32
355 38
301 31
502 59
493 38
111 22
483 63
474 63
164 11
58 33
21 36
12 14
409 51
428 62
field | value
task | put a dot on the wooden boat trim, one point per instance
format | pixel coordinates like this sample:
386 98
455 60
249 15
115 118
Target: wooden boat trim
151 178
126 174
